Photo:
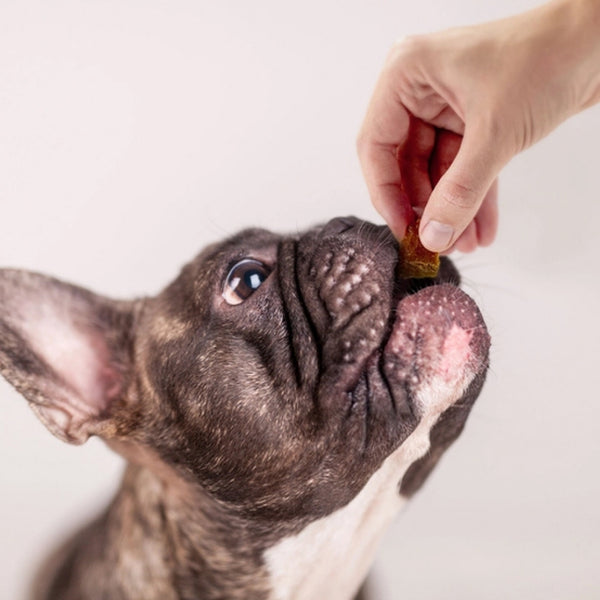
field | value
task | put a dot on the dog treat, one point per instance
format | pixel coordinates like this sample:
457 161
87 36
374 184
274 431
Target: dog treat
415 260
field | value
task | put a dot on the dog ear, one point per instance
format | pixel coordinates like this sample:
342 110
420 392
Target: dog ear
67 350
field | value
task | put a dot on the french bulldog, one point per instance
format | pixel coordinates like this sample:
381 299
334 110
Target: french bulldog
276 405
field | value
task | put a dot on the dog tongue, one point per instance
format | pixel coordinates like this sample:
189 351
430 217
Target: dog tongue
416 261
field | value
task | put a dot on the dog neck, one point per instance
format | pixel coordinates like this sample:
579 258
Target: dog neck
161 541
330 557
201 549
162 530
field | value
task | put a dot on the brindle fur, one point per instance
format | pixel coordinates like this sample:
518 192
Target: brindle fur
233 420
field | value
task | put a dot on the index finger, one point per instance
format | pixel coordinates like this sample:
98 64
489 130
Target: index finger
384 128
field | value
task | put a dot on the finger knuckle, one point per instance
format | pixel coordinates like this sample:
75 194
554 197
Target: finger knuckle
459 195
407 47
366 152
362 144
368 149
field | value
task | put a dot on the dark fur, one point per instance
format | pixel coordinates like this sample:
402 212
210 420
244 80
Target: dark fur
241 424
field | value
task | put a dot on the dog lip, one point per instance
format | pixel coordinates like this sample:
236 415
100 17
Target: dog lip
442 330
382 361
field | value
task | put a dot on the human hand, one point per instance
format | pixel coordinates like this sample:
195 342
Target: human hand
450 109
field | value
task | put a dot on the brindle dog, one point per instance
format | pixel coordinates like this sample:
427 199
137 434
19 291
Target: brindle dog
276 405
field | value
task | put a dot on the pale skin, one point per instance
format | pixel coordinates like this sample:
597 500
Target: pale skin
450 109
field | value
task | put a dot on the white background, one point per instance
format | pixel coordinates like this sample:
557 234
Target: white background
133 132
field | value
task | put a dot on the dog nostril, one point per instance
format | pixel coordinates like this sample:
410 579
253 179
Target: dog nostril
340 225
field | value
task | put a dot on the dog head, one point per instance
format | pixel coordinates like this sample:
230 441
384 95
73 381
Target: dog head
277 373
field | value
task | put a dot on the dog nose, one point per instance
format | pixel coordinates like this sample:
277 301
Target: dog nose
339 225
361 229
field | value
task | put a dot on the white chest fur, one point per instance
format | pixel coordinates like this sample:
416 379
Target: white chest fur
331 557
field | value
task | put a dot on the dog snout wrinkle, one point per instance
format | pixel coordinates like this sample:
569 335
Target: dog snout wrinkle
301 330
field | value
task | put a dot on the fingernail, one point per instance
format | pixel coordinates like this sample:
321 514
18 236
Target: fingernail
437 236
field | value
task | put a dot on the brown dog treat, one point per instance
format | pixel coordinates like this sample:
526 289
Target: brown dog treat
415 260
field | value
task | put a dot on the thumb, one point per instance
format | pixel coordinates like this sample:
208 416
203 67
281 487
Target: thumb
460 192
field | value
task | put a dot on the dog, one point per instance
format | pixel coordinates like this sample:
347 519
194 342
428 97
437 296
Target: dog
276 404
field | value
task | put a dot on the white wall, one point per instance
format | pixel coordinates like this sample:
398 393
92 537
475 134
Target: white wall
132 132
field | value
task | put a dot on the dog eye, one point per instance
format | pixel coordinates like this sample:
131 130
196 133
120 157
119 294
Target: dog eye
243 280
